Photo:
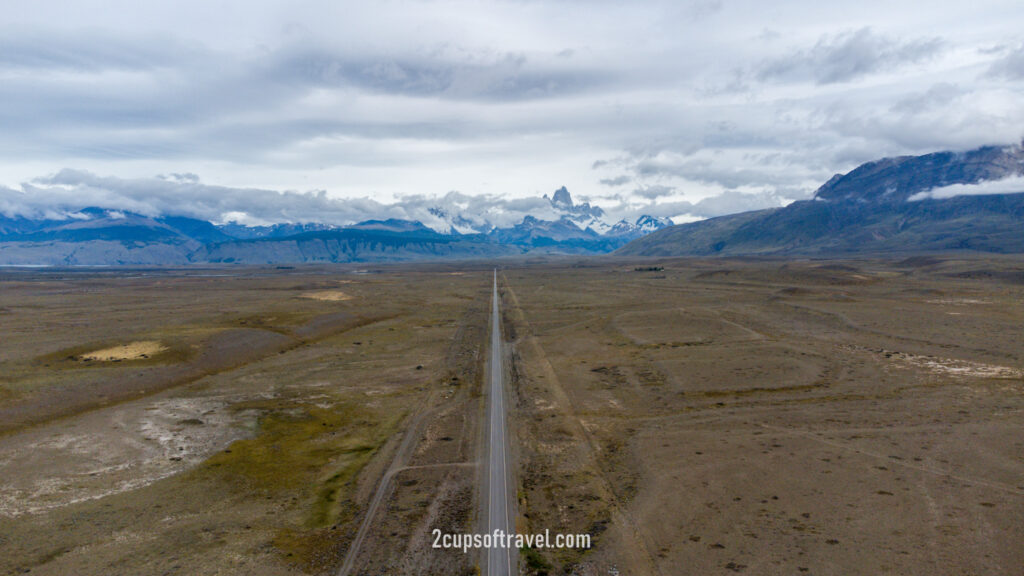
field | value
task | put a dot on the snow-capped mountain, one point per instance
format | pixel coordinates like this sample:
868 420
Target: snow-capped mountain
592 221
112 236
643 225
559 219
244 232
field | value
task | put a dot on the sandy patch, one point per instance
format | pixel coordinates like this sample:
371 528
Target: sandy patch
947 366
327 295
130 351
952 367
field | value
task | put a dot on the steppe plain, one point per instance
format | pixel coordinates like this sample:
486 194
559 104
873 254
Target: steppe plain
694 416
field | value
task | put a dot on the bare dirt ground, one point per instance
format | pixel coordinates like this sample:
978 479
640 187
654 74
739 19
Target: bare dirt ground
222 422
772 418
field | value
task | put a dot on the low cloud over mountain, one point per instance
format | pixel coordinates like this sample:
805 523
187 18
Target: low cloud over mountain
176 220
62 194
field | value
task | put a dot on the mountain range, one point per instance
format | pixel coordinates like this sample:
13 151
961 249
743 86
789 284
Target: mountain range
109 236
890 206
935 202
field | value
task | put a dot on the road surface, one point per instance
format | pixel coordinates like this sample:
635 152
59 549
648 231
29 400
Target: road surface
500 560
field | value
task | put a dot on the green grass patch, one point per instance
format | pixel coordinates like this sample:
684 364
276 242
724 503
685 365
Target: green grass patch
310 455
535 563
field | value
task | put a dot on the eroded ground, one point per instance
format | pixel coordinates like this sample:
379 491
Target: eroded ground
772 418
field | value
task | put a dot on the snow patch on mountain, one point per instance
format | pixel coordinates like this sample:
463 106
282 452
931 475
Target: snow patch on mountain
559 213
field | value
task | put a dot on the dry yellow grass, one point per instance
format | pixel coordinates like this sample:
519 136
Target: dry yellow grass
327 295
130 351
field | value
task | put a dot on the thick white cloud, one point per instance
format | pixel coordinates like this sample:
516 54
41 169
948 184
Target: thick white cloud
1011 185
660 104
64 194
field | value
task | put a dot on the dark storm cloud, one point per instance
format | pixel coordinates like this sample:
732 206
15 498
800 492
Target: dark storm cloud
848 56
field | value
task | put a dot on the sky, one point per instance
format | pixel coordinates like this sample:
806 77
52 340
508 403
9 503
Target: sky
272 111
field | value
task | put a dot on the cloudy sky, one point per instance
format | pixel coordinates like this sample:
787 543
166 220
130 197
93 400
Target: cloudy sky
675 108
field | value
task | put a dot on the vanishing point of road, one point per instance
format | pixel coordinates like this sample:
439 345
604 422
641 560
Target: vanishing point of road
499 559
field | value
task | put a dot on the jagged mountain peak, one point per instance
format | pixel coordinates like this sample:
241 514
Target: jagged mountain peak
650 223
562 199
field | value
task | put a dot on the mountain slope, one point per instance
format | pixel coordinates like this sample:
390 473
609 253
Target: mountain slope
869 210
698 238
351 245
104 237
897 179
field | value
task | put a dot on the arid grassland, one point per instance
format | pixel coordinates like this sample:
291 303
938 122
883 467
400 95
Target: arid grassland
235 421
772 418
695 417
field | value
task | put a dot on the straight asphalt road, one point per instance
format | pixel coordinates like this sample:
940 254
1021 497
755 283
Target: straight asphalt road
499 559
